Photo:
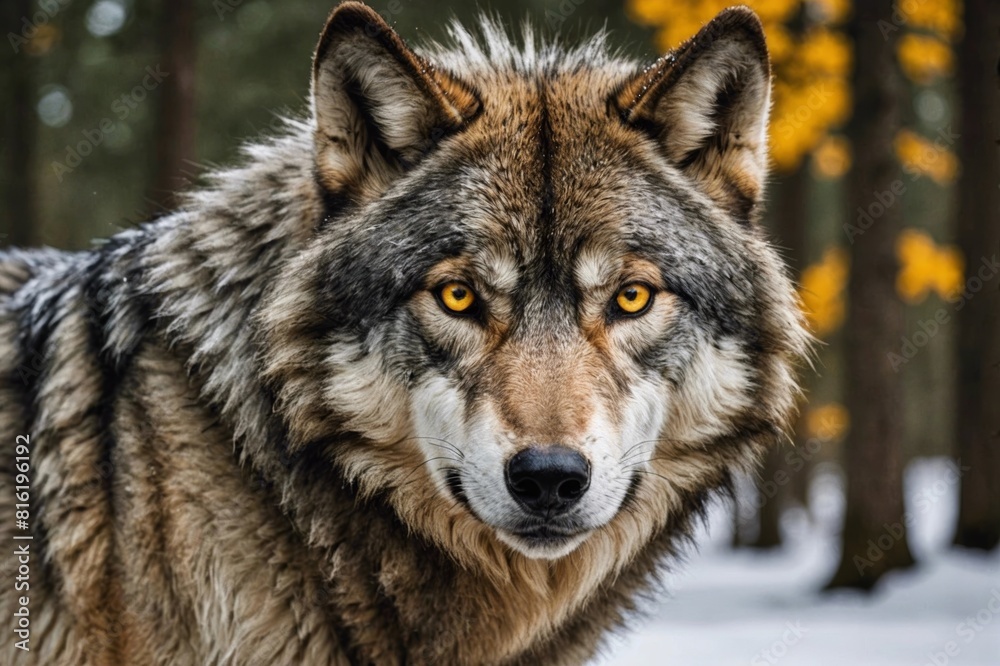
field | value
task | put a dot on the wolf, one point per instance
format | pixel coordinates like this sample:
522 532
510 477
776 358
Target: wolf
443 373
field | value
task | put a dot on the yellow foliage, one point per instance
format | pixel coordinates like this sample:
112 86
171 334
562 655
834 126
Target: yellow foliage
924 267
780 44
44 38
827 422
832 157
924 58
774 11
803 115
939 16
822 291
926 158
824 52
832 11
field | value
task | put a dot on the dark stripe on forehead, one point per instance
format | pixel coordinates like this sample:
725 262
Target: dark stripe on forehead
546 144
546 268
546 286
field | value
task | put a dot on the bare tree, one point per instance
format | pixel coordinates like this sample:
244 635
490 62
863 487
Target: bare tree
19 225
874 535
789 211
175 132
977 406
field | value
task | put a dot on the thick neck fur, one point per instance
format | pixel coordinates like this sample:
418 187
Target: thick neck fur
207 267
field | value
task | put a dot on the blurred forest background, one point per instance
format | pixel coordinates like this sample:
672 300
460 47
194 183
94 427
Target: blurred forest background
885 196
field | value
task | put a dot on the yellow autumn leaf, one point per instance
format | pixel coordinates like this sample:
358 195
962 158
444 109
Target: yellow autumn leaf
779 43
825 52
925 158
822 291
832 11
832 157
827 422
43 38
924 58
774 11
926 267
939 16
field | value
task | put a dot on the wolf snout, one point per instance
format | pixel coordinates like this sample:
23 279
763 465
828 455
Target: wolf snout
548 479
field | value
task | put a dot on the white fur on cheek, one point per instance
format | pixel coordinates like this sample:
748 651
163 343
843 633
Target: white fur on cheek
715 388
644 415
359 388
438 419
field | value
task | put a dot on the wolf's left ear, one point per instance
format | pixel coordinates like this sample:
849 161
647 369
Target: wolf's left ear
379 106
708 103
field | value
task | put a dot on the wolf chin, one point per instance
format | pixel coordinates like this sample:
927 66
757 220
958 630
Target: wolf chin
441 375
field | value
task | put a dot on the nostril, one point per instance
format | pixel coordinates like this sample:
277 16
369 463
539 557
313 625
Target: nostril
527 489
570 490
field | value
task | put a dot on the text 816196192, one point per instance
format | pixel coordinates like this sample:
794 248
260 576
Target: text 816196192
22 539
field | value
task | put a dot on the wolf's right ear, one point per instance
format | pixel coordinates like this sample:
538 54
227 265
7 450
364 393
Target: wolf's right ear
707 104
378 105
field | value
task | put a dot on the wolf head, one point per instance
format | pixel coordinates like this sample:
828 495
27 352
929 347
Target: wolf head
540 311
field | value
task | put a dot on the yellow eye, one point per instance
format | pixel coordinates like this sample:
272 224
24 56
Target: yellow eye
633 298
457 297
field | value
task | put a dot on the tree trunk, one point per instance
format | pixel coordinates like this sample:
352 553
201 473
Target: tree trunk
874 535
771 498
737 539
20 222
977 406
789 211
175 135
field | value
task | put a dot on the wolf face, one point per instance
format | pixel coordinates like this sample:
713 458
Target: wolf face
540 303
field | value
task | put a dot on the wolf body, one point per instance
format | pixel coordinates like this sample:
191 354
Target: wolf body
439 376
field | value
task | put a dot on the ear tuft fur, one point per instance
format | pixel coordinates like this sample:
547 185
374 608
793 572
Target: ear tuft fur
378 105
708 104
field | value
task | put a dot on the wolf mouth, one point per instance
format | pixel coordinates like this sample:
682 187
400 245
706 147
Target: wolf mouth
538 541
547 534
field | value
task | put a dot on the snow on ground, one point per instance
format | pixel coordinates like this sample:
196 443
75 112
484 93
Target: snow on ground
741 607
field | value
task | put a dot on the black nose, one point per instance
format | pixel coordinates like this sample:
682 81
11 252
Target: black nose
548 479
